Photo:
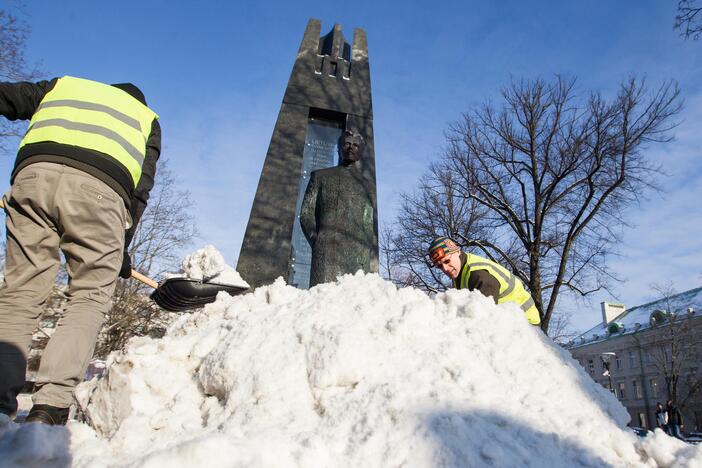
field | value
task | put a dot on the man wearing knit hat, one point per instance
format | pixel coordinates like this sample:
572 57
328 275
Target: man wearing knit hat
472 272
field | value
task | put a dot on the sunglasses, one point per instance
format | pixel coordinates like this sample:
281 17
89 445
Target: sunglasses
440 256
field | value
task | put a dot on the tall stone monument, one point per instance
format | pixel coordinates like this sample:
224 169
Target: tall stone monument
338 216
329 91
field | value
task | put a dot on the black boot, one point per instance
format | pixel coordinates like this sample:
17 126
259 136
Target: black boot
8 402
46 414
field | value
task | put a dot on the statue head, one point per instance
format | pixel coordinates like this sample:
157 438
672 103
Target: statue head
350 146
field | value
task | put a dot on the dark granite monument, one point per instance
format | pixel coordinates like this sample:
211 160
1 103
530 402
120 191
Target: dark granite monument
338 216
328 92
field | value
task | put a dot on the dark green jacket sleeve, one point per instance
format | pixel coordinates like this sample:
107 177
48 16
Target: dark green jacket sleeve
484 282
146 182
19 101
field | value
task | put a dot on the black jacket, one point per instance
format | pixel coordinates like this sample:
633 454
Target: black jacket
19 101
480 280
674 416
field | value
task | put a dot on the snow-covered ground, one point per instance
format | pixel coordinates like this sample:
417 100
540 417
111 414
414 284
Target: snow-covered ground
356 373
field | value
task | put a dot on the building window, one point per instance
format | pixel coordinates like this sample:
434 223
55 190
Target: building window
649 358
617 363
632 360
637 389
654 388
642 420
620 393
591 366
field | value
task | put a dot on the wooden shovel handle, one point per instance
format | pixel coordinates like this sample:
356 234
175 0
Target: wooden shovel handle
144 279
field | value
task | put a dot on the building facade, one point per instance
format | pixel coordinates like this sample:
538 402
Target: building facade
649 354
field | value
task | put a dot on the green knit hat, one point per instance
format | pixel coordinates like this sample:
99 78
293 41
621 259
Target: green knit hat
440 247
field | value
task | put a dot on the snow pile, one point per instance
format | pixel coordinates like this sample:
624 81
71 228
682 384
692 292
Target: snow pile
208 264
356 373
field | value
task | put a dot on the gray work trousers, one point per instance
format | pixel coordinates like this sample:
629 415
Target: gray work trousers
51 208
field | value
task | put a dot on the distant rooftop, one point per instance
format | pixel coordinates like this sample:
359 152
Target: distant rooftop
641 317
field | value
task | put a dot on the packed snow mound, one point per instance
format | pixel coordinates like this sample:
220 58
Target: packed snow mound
208 264
350 374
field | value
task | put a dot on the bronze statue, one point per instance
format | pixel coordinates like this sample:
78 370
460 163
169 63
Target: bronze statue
339 216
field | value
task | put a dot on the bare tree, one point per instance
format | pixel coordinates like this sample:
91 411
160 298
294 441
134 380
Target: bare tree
674 344
689 19
396 271
560 329
14 66
386 248
436 207
540 183
166 228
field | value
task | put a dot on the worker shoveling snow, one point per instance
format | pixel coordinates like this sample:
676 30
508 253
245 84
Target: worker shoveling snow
350 374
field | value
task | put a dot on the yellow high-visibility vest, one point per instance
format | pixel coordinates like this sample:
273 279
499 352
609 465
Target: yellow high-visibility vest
511 288
95 116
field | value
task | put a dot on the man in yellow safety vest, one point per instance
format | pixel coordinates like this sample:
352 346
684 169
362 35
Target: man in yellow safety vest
80 184
472 272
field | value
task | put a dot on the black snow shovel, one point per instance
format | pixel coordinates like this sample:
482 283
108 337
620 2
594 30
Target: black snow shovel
184 294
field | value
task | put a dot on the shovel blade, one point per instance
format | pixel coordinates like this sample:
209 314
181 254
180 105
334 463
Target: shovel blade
185 294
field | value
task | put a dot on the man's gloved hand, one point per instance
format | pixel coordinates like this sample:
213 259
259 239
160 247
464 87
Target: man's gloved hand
126 270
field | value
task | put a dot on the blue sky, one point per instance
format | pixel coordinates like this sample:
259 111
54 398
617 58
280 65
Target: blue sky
216 72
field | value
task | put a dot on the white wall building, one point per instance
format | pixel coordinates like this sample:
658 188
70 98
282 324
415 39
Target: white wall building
651 344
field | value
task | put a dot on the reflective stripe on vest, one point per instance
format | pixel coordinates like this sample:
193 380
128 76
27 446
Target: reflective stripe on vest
511 288
94 116
508 278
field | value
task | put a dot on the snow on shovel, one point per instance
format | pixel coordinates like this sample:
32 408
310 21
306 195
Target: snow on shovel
181 294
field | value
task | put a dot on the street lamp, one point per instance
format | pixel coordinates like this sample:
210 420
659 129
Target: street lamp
606 361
